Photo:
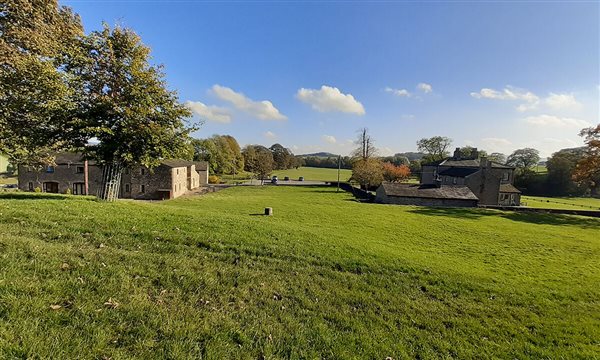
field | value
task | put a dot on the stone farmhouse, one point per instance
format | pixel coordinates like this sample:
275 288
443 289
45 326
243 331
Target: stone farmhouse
456 181
171 179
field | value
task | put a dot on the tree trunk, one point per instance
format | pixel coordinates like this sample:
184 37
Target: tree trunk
111 181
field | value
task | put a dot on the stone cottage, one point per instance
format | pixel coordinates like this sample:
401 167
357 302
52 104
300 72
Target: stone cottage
489 181
171 179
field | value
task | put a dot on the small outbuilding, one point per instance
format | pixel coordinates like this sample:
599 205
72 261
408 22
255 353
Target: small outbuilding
426 195
509 195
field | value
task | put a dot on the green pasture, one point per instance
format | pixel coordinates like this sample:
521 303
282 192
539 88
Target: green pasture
209 277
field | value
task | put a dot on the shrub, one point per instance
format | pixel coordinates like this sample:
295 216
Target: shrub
68 192
214 179
37 189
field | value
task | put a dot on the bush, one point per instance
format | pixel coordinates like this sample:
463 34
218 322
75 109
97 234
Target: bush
38 190
68 192
214 179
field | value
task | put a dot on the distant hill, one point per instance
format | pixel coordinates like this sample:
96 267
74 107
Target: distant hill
319 154
411 155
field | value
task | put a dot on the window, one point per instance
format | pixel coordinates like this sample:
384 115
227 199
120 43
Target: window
127 188
505 176
78 188
143 171
29 169
50 169
143 188
126 171
454 181
177 171
30 186
79 170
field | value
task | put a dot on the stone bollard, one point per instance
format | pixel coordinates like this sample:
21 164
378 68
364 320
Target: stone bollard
268 211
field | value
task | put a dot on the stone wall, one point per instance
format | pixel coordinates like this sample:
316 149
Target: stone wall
203 177
154 184
65 176
485 185
400 200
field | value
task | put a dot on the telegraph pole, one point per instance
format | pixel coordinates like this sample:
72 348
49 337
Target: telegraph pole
339 168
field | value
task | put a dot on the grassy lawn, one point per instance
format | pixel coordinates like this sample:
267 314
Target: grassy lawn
315 174
561 203
325 277
8 179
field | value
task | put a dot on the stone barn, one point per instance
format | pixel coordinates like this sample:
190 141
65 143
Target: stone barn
71 173
426 195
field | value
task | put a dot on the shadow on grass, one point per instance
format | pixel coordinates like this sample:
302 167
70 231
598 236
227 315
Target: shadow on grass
41 196
528 217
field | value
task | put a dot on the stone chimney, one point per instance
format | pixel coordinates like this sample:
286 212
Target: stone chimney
474 153
457 155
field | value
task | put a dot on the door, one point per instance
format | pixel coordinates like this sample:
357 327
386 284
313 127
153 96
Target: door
51 187
79 189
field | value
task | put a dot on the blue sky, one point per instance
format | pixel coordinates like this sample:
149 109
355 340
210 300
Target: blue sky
308 75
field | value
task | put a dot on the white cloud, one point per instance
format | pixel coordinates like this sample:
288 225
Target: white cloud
555 121
210 113
270 135
530 100
398 92
263 110
424 87
329 139
508 93
330 99
407 116
562 101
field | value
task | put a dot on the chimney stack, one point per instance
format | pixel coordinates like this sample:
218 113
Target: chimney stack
474 154
457 155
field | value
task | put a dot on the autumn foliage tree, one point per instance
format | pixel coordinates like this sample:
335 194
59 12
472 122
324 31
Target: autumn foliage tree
587 170
395 173
368 173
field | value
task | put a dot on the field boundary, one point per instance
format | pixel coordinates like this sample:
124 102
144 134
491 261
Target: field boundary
590 213
357 192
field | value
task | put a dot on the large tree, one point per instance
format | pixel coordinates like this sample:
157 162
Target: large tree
40 95
258 160
587 170
497 157
435 148
135 118
561 166
283 157
523 159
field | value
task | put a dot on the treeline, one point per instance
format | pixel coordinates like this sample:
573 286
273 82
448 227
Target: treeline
224 156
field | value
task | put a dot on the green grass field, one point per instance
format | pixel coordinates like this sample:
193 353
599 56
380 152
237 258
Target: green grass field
8 180
315 174
561 203
325 277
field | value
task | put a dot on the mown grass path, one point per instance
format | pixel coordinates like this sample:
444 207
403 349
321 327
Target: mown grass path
325 277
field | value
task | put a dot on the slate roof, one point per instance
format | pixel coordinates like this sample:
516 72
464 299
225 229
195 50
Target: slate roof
177 163
471 163
429 191
508 188
69 158
459 172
